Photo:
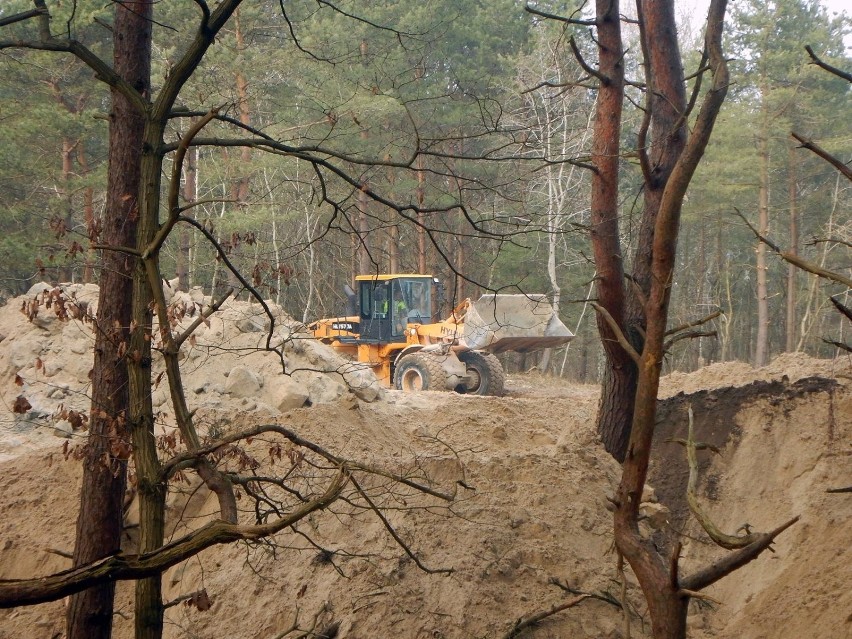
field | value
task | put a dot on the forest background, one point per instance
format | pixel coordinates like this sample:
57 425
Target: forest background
496 98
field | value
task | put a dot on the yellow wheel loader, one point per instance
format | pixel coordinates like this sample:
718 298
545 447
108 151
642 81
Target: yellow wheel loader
394 332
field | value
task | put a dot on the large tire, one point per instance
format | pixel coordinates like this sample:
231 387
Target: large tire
485 373
420 371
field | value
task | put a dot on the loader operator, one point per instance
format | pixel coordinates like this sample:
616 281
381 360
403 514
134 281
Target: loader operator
400 309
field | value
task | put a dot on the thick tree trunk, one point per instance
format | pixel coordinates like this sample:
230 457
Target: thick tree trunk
658 575
619 384
99 523
151 490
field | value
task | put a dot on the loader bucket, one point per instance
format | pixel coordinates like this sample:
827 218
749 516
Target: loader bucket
497 323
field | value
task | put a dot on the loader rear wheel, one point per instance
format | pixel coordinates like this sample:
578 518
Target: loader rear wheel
485 374
420 371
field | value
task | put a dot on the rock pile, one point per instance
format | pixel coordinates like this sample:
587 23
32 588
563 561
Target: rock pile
47 338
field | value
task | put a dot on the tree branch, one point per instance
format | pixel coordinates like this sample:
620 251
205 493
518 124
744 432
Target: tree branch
585 65
103 71
795 260
525 622
552 16
119 567
619 334
25 15
734 560
840 73
394 534
812 146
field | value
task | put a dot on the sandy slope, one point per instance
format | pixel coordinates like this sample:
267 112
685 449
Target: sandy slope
533 510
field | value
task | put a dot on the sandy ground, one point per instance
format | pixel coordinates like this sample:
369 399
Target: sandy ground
528 523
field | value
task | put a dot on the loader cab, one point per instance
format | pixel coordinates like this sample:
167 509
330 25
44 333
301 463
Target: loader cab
388 303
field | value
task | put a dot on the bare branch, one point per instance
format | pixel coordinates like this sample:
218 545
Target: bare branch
174 185
844 310
810 145
176 461
730 542
525 622
394 534
585 65
732 561
840 345
120 567
25 15
795 260
698 322
619 334
840 73
47 42
207 312
552 16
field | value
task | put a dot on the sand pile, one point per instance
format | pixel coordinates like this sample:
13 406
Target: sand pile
529 521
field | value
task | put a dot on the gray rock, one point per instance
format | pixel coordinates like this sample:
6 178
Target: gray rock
325 390
284 393
243 383
63 429
38 289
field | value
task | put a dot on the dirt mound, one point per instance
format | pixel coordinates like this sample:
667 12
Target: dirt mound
529 524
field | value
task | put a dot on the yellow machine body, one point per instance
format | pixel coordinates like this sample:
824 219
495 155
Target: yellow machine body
395 334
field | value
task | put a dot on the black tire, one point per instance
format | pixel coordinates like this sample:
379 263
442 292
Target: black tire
485 372
420 371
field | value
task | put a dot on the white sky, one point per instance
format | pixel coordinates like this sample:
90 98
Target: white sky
698 8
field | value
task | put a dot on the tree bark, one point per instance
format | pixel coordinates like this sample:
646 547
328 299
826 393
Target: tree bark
657 575
99 523
615 412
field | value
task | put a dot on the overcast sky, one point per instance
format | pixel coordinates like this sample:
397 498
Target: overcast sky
699 7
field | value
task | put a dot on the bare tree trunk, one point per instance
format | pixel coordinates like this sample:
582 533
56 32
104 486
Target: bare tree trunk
793 248
762 342
99 524
668 169
615 412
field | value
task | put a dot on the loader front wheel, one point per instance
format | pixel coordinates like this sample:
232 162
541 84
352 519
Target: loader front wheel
485 374
420 371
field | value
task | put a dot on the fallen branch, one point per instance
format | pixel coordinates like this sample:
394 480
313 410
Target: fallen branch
728 564
525 622
848 489
731 542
